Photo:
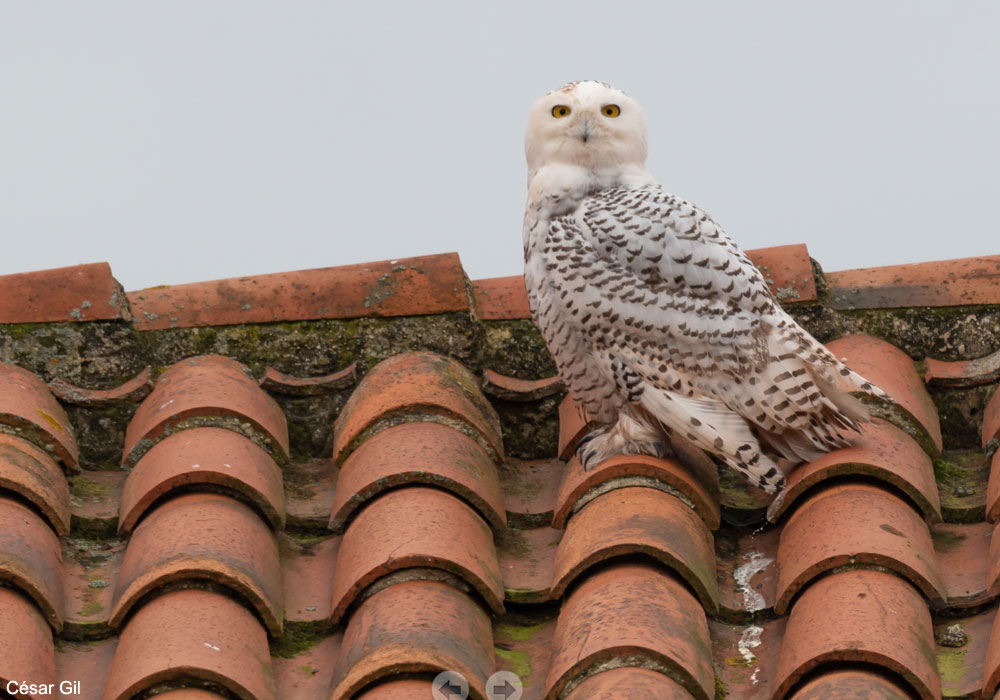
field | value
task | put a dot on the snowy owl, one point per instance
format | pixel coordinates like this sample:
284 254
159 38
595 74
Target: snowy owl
662 328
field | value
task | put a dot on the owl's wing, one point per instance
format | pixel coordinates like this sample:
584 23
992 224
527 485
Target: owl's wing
686 327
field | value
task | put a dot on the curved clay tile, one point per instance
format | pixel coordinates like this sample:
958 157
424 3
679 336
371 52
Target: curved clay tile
574 423
991 419
892 370
202 536
426 386
416 526
192 634
851 684
189 694
415 627
993 490
514 389
633 611
31 559
132 391
27 406
34 475
527 560
882 451
399 690
26 649
629 684
206 386
280 383
853 524
991 674
862 616
577 483
419 453
212 456
645 521
962 553
982 370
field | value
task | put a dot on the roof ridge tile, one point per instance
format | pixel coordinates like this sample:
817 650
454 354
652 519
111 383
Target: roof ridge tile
65 294
29 410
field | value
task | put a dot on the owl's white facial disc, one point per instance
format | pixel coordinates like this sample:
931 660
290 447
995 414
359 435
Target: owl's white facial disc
588 124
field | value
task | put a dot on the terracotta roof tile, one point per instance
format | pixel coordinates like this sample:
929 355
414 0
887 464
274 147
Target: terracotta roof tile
416 526
643 521
888 367
29 409
413 627
90 573
132 391
993 489
845 617
67 294
207 457
747 567
530 488
192 634
982 370
527 563
307 577
851 685
962 552
882 451
578 486
427 386
34 475
514 389
500 298
419 453
856 524
280 383
87 663
203 536
629 684
574 423
31 558
26 649
426 285
991 675
398 690
945 283
632 611
206 387
962 658
991 419
310 674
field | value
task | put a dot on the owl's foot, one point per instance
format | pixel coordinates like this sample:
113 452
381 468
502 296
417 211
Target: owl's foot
606 442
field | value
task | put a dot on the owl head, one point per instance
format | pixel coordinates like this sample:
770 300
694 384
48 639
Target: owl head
589 124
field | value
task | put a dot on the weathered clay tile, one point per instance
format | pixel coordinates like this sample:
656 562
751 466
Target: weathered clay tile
87 663
209 456
429 284
889 368
527 562
31 558
187 633
415 627
746 655
530 488
280 383
991 419
29 409
399 690
940 283
882 451
629 684
991 675
962 653
416 526
426 386
132 391
993 489
862 616
90 571
206 386
514 389
638 612
308 675
855 524
644 521
307 577
963 373
500 298
26 649
34 475
199 536
962 553
523 645
77 293
419 453
851 684
578 486
747 568
574 423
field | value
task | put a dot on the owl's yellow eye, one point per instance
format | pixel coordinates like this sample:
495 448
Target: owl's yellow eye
611 110
560 111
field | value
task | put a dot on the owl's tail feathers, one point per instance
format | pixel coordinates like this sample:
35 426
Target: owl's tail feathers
713 427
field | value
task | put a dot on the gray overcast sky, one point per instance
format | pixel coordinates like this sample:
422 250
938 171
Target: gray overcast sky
194 140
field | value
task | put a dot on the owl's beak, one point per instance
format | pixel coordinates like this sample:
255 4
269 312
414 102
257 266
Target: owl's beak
586 129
